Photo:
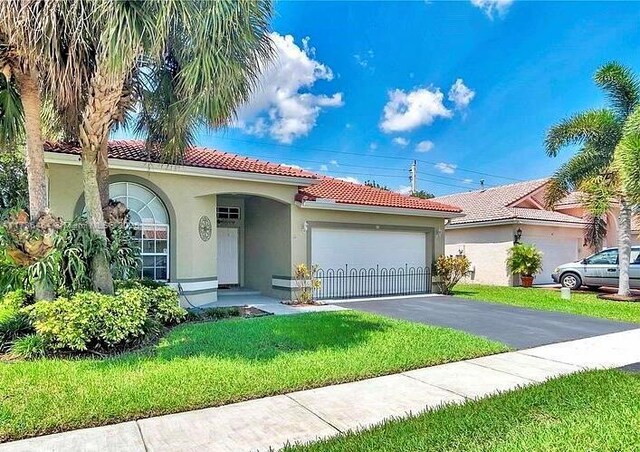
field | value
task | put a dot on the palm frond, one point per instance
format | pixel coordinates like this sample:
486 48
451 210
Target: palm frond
11 114
627 163
598 127
595 232
598 193
585 164
621 85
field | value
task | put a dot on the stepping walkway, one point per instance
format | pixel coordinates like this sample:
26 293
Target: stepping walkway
304 416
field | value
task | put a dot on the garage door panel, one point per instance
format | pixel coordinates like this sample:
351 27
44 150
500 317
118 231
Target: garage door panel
357 263
555 252
335 248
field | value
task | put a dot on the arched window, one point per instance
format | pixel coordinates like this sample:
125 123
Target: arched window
150 220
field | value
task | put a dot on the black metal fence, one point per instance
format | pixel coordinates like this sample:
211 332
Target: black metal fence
354 282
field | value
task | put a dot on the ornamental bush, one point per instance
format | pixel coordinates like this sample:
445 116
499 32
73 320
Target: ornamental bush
13 322
90 319
451 269
163 301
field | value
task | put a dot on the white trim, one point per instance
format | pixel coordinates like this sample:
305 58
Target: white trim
378 209
199 285
510 221
73 159
288 283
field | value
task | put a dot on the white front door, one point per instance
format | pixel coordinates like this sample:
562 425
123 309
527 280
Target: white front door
228 256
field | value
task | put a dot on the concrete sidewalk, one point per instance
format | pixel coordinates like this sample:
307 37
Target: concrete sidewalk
308 415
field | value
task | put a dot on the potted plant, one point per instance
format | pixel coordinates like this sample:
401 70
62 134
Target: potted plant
525 260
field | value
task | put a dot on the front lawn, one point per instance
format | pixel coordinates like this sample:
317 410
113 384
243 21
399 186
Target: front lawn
207 364
549 300
595 411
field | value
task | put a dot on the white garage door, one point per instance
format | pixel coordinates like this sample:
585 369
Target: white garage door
356 262
556 252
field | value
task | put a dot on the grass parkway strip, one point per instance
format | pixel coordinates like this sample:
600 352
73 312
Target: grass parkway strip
549 300
589 411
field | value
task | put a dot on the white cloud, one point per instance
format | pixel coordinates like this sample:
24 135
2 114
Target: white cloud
364 59
467 181
353 180
324 168
407 110
401 141
447 168
493 6
460 94
404 190
283 107
373 146
424 146
333 162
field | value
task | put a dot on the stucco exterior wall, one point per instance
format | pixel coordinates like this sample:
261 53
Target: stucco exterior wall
273 236
486 248
267 243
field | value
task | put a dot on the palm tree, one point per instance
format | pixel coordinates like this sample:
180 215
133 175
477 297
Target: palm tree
182 63
592 171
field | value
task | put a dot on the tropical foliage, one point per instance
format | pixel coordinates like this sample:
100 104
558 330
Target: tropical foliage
602 168
307 282
524 259
178 64
86 321
14 191
450 270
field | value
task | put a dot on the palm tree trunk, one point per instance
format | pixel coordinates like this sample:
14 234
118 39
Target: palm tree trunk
30 97
624 243
103 173
94 133
36 178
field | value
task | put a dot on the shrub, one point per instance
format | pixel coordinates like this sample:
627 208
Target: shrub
163 301
165 305
222 312
32 346
13 322
307 282
451 269
524 259
90 319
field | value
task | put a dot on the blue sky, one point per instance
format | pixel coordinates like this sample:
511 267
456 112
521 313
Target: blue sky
362 88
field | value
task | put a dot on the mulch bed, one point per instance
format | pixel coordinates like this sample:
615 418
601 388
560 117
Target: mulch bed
616 297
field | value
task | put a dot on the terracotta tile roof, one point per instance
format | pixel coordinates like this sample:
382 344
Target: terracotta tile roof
492 204
194 157
327 188
350 193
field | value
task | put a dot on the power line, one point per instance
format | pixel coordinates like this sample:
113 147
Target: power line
391 157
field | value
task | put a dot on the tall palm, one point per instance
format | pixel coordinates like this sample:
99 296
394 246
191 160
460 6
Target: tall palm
592 170
189 63
183 63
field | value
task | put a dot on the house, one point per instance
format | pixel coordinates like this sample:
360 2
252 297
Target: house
494 217
220 221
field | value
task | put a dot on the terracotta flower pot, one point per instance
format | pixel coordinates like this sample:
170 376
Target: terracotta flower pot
527 281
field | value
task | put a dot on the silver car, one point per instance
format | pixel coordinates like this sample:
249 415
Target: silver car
600 269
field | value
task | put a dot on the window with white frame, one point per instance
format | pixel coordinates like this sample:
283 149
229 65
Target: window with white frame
150 221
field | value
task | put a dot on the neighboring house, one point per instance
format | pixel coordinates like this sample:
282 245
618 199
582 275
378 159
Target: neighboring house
219 220
493 217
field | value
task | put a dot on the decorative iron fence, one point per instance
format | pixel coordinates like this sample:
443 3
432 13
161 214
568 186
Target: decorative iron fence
347 282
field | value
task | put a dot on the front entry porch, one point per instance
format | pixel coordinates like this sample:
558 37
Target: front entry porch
253 242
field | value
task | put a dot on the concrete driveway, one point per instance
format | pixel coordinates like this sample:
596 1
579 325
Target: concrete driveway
517 327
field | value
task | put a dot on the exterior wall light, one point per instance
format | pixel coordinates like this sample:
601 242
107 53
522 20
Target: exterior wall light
517 236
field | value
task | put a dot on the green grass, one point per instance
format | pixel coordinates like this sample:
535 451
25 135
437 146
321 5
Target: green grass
549 300
595 411
208 364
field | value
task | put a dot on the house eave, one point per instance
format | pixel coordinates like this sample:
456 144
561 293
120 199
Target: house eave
133 165
308 204
515 221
